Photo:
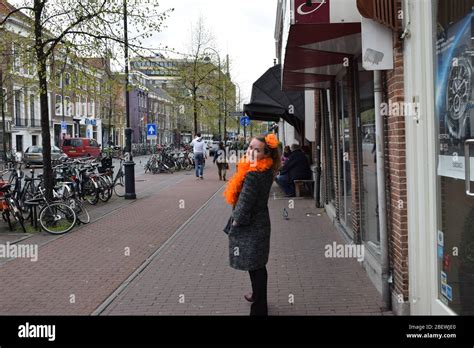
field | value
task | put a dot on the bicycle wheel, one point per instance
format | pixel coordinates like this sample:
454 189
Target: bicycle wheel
27 194
82 214
15 210
57 218
104 190
119 187
6 218
91 192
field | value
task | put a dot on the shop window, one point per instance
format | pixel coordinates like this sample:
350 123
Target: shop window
455 126
370 229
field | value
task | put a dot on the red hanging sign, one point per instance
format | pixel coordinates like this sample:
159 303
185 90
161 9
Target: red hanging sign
317 13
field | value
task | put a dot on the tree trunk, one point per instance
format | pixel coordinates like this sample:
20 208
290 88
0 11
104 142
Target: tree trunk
195 112
44 108
45 131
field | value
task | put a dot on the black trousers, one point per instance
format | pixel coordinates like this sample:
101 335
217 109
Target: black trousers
259 280
221 168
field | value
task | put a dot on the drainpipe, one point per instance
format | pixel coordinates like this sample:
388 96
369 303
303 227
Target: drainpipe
379 143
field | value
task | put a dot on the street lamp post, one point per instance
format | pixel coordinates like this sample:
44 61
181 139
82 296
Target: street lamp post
129 165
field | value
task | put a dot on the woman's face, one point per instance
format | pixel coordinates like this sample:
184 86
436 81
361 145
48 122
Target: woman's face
255 151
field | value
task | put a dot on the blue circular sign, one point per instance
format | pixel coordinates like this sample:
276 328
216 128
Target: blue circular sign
245 121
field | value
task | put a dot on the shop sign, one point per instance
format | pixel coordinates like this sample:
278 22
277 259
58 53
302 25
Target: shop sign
377 45
88 121
317 13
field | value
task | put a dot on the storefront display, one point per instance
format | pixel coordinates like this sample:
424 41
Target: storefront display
454 108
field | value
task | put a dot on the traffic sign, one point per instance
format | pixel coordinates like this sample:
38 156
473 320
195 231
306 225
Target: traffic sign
63 127
235 113
245 121
151 131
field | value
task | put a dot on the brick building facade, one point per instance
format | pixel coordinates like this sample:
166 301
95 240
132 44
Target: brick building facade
331 65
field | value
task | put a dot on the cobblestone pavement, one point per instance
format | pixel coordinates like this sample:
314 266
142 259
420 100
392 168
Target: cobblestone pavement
79 270
145 257
191 276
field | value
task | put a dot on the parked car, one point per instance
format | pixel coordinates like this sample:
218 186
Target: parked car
34 155
81 147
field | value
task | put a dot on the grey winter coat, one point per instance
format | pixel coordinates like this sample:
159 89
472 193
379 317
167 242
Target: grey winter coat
249 241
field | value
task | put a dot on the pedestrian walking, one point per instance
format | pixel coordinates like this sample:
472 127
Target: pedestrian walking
248 228
220 157
199 150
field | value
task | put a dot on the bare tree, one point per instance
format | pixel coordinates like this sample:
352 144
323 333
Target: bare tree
196 73
88 27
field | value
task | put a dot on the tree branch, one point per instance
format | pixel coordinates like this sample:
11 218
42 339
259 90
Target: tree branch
66 31
13 12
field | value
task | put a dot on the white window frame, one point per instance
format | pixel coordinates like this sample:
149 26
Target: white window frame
78 105
67 104
60 80
32 98
60 105
67 79
421 169
16 58
84 106
22 105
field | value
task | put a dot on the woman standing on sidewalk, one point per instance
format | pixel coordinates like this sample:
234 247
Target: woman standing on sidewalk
220 156
249 226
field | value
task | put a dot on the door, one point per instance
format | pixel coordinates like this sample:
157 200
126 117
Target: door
454 95
57 135
19 143
369 226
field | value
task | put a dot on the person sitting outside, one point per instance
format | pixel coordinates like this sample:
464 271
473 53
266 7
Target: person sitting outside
295 168
285 155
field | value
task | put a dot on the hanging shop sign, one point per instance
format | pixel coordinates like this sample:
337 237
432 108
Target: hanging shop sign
88 121
377 45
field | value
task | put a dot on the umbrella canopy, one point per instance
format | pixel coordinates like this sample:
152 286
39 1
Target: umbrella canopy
270 103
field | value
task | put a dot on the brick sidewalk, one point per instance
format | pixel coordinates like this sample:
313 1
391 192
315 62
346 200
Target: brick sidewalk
194 264
86 265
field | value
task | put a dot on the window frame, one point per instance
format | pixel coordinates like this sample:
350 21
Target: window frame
60 105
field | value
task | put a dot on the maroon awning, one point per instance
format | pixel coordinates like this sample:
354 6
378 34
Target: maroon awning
320 37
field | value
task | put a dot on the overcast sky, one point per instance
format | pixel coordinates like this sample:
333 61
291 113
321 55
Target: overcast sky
243 29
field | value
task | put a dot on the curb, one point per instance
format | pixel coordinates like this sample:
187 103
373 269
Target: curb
103 306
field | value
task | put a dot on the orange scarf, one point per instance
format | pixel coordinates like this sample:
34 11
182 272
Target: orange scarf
244 166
